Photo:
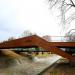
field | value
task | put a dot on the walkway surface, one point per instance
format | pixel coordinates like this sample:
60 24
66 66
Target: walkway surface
28 67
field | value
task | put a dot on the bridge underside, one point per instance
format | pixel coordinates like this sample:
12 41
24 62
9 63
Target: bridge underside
36 41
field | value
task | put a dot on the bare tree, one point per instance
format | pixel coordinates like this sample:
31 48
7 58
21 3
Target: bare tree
65 7
11 38
47 38
27 33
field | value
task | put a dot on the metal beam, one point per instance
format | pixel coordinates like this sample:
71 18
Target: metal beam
17 43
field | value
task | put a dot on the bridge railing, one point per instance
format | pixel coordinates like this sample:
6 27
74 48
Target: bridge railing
61 38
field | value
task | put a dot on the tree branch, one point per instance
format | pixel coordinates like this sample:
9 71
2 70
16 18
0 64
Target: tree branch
64 7
72 2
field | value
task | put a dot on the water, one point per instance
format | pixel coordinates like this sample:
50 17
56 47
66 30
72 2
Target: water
9 66
25 66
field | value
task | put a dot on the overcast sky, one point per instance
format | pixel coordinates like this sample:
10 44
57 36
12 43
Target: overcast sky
17 16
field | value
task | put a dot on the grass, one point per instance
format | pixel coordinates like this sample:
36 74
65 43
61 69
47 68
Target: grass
45 54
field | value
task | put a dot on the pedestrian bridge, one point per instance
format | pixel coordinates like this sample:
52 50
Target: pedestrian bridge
36 41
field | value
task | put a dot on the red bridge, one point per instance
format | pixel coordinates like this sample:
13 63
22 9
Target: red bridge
36 41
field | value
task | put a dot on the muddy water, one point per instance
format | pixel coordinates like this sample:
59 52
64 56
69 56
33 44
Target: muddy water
9 66
26 65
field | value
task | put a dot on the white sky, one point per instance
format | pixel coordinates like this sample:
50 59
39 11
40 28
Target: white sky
17 16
